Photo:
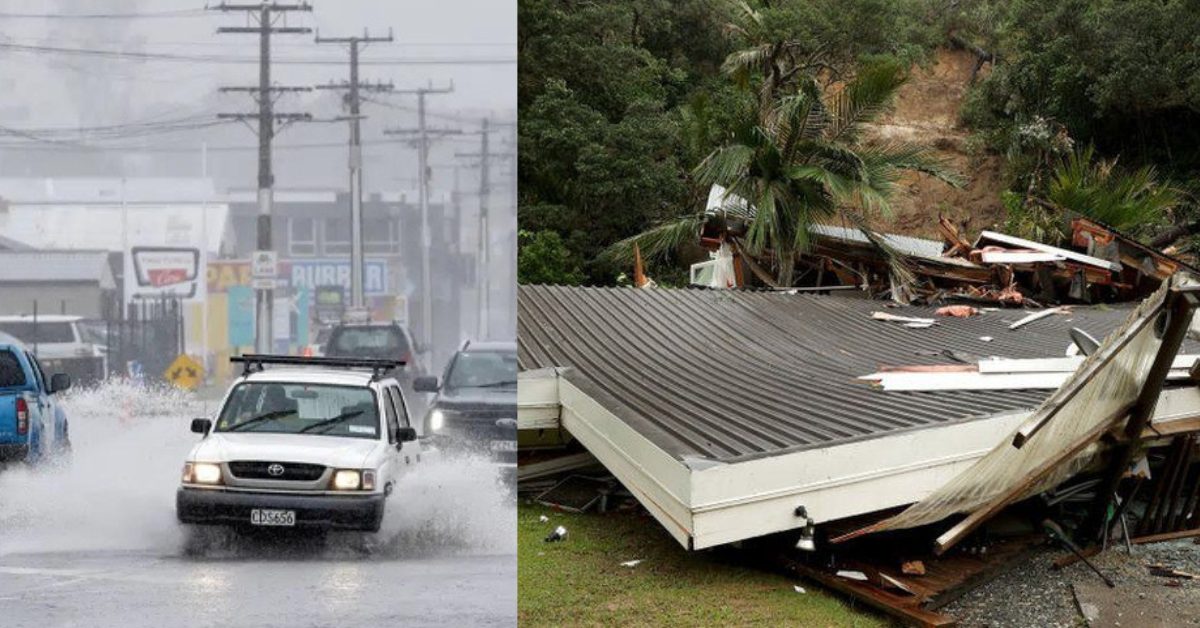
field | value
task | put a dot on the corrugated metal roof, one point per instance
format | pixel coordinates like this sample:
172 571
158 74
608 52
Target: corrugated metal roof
736 374
50 266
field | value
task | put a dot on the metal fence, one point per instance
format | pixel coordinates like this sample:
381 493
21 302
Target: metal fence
142 340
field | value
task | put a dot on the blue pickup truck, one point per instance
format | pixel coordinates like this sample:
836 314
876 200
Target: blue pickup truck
33 427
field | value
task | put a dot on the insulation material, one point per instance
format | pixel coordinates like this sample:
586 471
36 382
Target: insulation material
723 276
1118 370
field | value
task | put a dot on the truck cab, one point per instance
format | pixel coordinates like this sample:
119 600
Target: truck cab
315 443
32 425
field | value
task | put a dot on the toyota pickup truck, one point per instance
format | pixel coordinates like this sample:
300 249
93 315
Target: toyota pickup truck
316 443
33 427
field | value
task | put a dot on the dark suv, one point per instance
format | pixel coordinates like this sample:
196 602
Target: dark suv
476 405
384 341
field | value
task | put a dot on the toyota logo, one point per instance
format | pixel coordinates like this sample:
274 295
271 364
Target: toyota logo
275 469
506 423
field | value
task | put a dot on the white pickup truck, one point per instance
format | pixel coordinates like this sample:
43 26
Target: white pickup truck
318 443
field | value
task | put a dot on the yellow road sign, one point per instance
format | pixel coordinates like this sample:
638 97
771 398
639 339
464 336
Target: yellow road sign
185 372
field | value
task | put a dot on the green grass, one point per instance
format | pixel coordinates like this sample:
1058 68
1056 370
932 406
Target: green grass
580 581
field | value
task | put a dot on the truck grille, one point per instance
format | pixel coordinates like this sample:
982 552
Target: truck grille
261 470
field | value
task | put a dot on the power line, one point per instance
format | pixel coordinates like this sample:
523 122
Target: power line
353 88
265 14
175 13
134 55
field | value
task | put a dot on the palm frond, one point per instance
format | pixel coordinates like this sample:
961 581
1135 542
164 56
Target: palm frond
881 159
864 98
902 275
658 242
724 165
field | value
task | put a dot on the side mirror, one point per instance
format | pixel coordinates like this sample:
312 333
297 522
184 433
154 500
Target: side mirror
201 426
59 382
406 434
426 383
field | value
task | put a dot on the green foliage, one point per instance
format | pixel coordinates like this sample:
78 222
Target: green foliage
799 162
1123 75
1128 200
543 259
1031 220
618 101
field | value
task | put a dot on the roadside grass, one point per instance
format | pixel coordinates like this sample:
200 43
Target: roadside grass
580 581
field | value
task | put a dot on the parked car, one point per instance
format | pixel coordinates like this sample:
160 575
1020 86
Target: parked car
33 426
318 443
60 344
476 403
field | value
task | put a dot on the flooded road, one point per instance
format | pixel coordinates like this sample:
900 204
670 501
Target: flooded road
93 541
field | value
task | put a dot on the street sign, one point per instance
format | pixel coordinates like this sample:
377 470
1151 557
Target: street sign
185 372
264 265
263 283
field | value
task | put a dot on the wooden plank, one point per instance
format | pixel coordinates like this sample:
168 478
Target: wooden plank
973 520
1055 365
1037 316
899 606
1165 536
1038 246
555 465
1018 257
1181 303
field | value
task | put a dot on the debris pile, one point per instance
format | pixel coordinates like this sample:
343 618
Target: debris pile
1102 265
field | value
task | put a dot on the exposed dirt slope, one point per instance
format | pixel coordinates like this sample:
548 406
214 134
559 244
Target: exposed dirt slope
926 113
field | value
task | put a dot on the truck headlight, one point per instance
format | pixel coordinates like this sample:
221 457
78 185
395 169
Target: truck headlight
437 419
347 480
201 473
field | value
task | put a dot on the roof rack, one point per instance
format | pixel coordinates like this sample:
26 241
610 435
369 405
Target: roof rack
254 362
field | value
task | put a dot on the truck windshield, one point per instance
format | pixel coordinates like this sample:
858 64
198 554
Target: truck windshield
11 373
41 333
278 408
483 369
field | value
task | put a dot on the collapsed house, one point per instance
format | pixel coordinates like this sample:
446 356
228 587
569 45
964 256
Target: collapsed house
1103 265
735 414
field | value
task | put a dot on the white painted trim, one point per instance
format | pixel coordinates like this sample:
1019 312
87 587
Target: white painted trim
1038 246
704 506
1018 257
1054 365
659 481
537 400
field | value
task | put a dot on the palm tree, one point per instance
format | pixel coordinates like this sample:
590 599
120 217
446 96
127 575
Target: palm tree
1097 188
801 162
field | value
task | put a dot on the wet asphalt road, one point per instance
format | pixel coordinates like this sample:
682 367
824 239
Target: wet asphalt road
132 590
93 541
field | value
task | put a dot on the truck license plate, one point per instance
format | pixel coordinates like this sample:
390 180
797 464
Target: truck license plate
267 517
504 445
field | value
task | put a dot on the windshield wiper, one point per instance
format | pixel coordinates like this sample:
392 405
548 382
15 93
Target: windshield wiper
259 419
331 422
498 384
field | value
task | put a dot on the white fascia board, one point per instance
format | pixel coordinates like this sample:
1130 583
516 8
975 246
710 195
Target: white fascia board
658 480
899 381
1046 248
538 406
1048 380
1018 257
1055 365
756 497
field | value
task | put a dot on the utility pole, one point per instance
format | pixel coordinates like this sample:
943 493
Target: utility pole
261 21
357 298
483 275
423 134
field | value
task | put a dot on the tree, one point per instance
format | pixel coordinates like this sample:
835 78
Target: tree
801 162
543 259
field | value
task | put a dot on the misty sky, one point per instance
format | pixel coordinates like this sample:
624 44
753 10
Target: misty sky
50 96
